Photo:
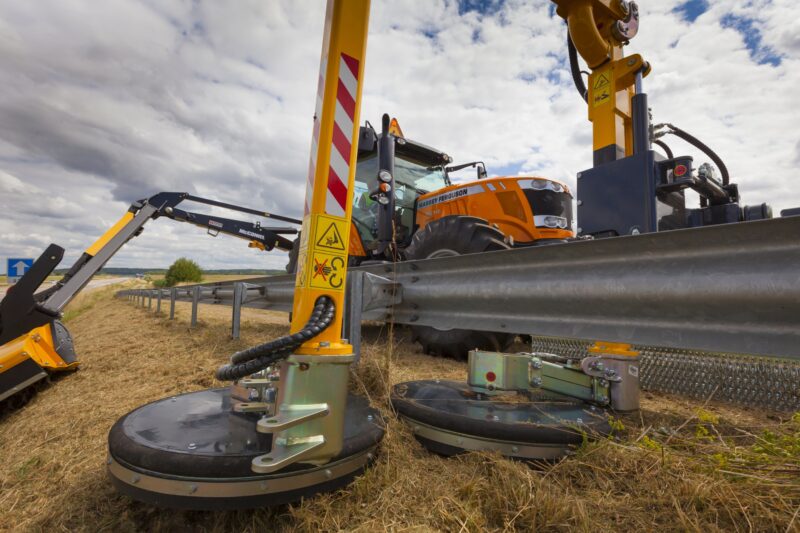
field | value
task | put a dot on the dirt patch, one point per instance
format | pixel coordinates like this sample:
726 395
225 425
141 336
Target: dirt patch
676 465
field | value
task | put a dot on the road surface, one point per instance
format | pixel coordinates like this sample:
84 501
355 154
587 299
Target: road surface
93 284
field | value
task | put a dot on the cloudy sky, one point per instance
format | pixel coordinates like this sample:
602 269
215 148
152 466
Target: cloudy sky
102 103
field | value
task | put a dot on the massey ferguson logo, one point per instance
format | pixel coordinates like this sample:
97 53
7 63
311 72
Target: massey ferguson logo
251 234
446 197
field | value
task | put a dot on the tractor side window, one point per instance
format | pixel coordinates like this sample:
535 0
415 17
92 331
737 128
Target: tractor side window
364 209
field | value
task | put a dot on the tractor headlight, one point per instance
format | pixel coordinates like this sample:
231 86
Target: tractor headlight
383 200
385 176
550 221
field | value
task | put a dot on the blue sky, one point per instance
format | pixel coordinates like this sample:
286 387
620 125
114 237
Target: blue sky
104 103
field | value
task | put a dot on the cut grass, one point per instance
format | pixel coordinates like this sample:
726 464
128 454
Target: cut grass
673 466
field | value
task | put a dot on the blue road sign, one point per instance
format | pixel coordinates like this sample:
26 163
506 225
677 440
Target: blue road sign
16 268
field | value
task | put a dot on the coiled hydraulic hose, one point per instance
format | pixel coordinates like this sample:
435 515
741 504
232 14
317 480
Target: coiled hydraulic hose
259 357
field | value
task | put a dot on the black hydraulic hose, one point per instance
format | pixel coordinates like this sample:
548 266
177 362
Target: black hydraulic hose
664 147
723 170
259 357
575 68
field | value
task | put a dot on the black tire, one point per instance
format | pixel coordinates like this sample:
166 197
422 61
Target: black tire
456 235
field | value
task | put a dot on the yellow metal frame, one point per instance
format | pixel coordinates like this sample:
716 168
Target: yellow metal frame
37 344
612 78
345 33
108 235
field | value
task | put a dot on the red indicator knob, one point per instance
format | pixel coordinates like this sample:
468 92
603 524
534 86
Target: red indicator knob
490 376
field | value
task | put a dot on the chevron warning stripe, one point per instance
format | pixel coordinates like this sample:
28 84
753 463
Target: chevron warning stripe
338 171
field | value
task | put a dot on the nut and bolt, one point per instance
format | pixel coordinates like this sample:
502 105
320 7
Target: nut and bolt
536 382
536 363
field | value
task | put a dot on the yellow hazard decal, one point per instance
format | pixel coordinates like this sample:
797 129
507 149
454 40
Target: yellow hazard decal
302 254
325 254
328 271
329 233
601 88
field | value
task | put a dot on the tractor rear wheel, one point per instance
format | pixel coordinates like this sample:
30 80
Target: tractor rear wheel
449 236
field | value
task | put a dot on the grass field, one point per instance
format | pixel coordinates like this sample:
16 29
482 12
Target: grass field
677 465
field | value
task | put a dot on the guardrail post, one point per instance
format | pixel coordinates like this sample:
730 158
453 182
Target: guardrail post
352 319
158 301
173 294
149 300
239 290
195 303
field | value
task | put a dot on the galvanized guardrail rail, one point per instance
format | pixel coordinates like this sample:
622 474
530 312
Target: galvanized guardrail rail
715 310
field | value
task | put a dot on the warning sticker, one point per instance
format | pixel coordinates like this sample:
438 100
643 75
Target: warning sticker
601 89
328 271
323 255
328 234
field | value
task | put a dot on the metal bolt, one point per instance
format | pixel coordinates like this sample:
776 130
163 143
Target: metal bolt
536 382
580 230
536 363
631 61
192 488
580 202
192 446
135 479
515 449
328 473
635 231
579 175
324 344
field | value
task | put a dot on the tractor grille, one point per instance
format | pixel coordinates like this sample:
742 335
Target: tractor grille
547 202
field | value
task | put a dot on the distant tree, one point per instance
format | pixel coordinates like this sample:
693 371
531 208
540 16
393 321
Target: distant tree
181 270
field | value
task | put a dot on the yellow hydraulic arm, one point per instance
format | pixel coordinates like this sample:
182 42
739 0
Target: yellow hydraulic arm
597 30
33 341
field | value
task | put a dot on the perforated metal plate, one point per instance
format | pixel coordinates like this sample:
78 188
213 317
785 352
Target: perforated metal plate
740 379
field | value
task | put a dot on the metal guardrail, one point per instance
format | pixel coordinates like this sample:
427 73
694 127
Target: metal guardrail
732 289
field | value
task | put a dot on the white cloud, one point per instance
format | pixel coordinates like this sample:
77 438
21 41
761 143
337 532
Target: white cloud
102 103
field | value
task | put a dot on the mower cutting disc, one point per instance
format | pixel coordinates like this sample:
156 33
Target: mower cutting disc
449 418
192 452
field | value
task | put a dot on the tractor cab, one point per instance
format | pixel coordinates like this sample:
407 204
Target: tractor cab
418 170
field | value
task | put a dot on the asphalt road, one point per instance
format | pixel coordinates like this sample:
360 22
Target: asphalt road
93 284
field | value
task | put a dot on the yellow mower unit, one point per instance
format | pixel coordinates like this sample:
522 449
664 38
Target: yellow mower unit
287 427
34 343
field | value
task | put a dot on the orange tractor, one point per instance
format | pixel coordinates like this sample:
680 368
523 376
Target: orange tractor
407 207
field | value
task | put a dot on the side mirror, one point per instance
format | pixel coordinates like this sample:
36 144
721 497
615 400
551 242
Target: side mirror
367 138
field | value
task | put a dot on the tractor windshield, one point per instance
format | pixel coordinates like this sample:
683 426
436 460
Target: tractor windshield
411 179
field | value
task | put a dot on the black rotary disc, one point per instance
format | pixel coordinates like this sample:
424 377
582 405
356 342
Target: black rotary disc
448 418
193 452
